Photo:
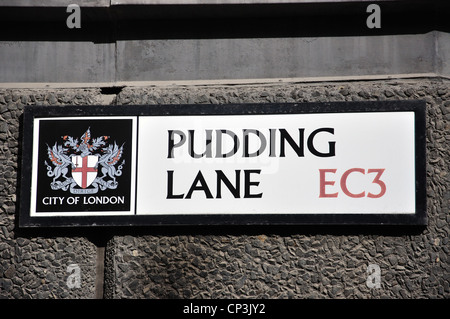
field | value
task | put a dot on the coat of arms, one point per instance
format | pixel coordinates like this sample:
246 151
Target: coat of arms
85 166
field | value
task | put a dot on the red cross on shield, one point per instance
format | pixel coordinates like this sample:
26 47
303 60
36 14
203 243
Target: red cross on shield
84 172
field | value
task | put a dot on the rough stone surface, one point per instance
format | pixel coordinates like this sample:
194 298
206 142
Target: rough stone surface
258 262
266 263
36 266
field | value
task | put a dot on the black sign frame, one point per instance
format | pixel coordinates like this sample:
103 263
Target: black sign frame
32 112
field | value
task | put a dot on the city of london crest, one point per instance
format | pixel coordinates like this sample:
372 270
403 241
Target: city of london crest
84 166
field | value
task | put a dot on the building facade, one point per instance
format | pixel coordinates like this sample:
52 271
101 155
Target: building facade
224 52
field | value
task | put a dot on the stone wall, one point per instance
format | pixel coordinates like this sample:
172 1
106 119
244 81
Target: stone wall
37 265
233 262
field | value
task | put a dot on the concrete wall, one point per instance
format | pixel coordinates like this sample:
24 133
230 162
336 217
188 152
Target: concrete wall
443 53
217 59
231 262
125 41
206 59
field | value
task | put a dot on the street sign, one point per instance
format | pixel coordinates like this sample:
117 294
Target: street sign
312 163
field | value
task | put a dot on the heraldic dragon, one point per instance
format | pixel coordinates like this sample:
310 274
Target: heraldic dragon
106 155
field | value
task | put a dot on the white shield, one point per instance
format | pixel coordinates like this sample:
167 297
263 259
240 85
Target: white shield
84 172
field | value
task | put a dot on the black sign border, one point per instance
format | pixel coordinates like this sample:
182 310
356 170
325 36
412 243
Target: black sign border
32 112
